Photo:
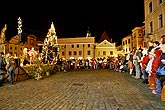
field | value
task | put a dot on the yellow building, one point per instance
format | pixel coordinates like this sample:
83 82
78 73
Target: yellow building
16 50
138 37
154 19
13 48
106 49
76 48
127 44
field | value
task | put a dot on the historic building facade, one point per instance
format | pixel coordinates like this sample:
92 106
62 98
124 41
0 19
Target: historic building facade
154 19
106 49
19 49
127 44
138 37
76 48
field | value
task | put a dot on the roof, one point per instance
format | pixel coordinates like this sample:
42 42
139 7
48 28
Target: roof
105 37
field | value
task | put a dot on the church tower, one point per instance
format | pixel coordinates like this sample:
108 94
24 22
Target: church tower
88 33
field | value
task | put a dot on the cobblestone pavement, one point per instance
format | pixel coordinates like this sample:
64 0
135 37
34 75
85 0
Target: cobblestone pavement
80 90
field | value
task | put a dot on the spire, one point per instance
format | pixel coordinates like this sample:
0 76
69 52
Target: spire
88 33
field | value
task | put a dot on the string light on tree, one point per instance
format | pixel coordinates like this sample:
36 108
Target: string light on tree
50 48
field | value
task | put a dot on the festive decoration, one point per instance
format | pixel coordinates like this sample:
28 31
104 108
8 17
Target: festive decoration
2 39
50 48
32 54
19 29
2 35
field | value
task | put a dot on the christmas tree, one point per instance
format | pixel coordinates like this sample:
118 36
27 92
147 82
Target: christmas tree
50 48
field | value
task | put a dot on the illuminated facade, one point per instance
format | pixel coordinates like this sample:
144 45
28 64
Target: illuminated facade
127 44
76 48
138 37
106 49
14 49
154 19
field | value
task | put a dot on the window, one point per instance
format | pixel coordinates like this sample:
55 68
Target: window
70 53
10 48
72 46
31 42
89 52
160 21
77 45
128 41
111 52
151 27
15 48
88 45
104 52
150 7
63 53
123 42
80 52
160 1
75 53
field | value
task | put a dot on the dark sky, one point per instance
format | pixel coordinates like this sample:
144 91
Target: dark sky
72 19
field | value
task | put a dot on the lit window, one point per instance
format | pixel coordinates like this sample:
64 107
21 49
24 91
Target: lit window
150 7
88 45
89 52
160 21
104 52
75 53
70 53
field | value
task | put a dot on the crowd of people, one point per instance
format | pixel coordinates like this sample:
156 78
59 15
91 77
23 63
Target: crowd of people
138 63
145 64
8 66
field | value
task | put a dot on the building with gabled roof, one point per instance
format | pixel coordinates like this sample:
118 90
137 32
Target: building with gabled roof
106 49
104 36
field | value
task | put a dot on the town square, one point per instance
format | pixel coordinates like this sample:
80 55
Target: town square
96 62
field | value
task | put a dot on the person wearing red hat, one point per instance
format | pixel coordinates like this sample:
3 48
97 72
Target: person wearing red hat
155 65
144 60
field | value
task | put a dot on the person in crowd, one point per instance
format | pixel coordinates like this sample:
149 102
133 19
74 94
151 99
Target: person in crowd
130 65
151 46
2 67
155 64
162 77
11 67
136 60
116 63
143 62
148 70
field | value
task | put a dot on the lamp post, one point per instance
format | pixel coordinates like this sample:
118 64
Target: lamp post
19 39
19 29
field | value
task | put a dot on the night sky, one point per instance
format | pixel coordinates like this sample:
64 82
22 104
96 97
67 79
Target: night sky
72 19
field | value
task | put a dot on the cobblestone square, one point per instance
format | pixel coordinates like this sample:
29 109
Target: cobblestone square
101 89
